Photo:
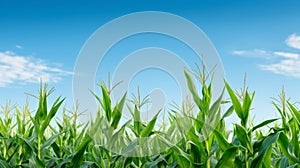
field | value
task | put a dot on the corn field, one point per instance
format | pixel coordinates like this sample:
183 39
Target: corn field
39 138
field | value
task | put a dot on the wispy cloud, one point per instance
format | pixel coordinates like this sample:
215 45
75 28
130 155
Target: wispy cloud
240 52
293 41
253 53
21 69
286 55
286 63
19 46
289 67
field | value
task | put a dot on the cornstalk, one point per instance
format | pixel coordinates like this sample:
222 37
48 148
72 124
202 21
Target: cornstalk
39 147
208 158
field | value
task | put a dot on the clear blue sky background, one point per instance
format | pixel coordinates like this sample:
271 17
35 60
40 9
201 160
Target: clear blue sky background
261 38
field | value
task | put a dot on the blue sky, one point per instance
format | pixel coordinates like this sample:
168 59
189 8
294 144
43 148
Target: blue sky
44 39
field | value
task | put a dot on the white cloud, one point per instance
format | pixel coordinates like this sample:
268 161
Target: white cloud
20 69
286 63
19 46
293 41
286 55
240 52
288 67
253 53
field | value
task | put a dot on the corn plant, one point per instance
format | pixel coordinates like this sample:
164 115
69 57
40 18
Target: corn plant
194 135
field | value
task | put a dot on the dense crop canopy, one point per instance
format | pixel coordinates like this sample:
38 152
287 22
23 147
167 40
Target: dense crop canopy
39 139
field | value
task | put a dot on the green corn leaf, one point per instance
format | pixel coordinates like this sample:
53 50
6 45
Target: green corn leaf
155 162
228 112
283 117
51 114
4 164
216 106
266 122
268 158
56 149
283 142
192 89
222 142
117 113
235 102
214 115
246 106
39 162
295 112
228 158
19 122
36 125
79 155
88 164
131 149
182 158
206 98
127 162
64 162
94 127
30 146
117 135
195 139
106 103
50 141
137 124
45 105
284 162
264 150
148 129
243 137
295 138
39 113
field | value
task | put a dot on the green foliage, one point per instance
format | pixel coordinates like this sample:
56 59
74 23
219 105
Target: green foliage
190 139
